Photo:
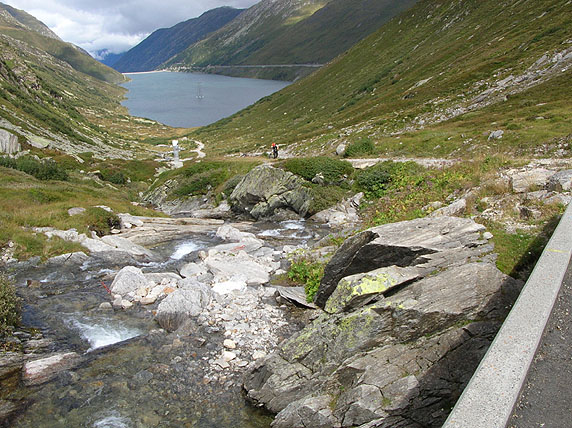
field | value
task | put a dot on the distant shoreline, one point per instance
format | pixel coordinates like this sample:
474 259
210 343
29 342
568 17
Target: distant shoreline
147 72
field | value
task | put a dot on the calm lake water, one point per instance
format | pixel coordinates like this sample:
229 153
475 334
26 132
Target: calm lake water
192 99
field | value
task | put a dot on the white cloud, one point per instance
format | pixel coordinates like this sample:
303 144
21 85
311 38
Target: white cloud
116 25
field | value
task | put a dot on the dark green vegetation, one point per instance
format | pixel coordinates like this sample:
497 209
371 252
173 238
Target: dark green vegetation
289 32
42 170
165 43
10 306
399 86
213 177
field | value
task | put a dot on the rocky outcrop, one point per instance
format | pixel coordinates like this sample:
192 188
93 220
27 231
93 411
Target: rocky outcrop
411 308
270 192
9 143
426 243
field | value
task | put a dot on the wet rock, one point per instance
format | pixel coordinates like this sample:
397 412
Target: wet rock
128 280
312 412
265 190
39 371
183 304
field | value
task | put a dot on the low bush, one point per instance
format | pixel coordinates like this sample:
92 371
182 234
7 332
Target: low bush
101 221
43 170
333 170
324 197
10 306
375 181
363 147
306 271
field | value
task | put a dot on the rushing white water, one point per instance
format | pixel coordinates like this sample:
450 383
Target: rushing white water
293 224
100 332
115 420
185 248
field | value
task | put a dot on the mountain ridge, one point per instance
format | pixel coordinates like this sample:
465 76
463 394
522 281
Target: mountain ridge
165 43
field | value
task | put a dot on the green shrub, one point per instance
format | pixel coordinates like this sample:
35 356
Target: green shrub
324 197
113 176
308 272
375 181
10 306
101 221
362 147
333 170
42 170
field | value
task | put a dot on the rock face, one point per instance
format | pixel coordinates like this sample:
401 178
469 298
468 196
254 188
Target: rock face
411 309
427 243
266 192
9 143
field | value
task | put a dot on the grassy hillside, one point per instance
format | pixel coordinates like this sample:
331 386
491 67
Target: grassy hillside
165 43
432 82
24 27
288 32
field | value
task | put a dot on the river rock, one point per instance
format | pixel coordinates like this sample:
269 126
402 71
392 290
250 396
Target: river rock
265 190
427 243
240 266
9 143
182 304
39 371
128 280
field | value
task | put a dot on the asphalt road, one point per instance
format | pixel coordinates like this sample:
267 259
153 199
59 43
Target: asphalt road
546 398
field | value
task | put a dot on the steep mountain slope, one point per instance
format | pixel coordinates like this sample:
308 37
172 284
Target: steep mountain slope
290 32
22 26
15 18
167 42
433 82
50 106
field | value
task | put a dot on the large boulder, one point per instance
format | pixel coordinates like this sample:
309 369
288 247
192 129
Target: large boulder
265 191
182 304
380 361
128 280
427 243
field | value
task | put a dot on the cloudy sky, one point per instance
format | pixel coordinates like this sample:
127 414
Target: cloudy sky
116 25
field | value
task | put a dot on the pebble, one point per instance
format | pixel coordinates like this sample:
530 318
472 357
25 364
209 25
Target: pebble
229 344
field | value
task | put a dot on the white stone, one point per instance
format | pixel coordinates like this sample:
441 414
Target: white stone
258 355
228 356
229 344
227 287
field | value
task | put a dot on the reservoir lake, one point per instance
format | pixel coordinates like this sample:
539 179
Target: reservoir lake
192 99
